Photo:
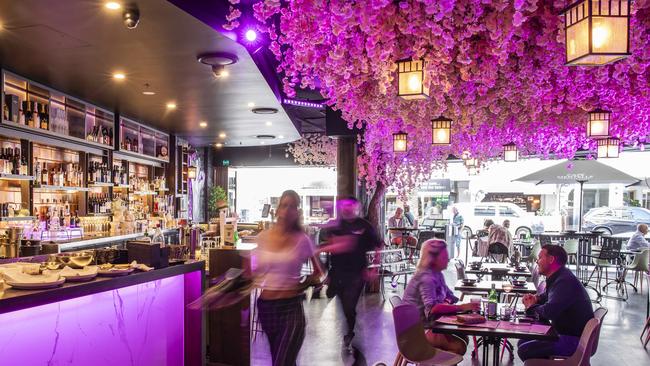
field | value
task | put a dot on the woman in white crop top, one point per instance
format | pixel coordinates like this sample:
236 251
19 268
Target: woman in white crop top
280 254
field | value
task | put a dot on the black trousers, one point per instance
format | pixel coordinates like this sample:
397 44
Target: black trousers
348 286
283 321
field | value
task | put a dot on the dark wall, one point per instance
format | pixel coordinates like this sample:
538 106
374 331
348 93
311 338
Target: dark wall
254 156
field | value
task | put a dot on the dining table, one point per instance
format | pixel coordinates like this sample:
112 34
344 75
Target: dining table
493 332
502 269
484 286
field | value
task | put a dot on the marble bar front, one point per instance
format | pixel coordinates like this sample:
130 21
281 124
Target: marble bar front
139 319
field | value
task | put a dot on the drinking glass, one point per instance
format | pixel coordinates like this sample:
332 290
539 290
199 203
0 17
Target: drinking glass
505 312
476 300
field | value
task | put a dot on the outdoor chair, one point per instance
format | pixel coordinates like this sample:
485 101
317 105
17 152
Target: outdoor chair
412 344
497 252
460 274
392 263
608 257
639 266
423 236
395 301
582 354
571 248
534 253
646 327
599 314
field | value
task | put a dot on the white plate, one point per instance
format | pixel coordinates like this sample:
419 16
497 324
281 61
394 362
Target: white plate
80 278
114 272
35 286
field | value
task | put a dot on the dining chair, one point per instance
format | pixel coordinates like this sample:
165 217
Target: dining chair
640 265
460 274
571 248
599 314
497 252
395 301
413 345
582 353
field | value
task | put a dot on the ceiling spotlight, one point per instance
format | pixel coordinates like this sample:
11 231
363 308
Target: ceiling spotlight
131 16
251 104
171 105
262 143
119 76
264 110
222 135
269 123
218 61
203 124
220 71
281 136
251 35
218 144
112 5
147 92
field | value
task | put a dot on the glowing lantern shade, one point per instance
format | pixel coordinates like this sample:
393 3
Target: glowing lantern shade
597 32
598 125
608 148
191 172
411 81
510 152
470 162
399 141
441 131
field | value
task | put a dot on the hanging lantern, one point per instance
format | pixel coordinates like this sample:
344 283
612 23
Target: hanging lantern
410 80
441 131
608 148
510 152
598 125
471 162
597 32
399 141
191 172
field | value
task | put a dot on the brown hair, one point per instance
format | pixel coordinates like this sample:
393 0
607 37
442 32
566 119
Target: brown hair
296 226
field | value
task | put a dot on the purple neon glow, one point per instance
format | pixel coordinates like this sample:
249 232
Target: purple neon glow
302 103
136 325
251 35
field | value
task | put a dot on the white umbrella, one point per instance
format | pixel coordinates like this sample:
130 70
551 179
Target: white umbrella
579 171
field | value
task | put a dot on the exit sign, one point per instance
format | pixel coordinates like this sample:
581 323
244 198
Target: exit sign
225 162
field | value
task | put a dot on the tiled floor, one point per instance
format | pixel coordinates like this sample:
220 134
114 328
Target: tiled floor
375 340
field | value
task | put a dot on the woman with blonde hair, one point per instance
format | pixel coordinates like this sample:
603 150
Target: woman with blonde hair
428 291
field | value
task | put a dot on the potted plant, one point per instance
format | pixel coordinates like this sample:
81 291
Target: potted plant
217 200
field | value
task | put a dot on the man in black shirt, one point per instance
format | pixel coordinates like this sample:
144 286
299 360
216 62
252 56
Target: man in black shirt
348 242
565 304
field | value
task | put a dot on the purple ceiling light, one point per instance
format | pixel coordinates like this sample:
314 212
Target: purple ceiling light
302 103
251 35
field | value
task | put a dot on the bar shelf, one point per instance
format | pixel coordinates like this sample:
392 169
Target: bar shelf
4 176
142 141
46 187
17 218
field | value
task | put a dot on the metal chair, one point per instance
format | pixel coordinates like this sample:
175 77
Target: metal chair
423 236
395 301
413 345
599 314
460 274
582 354
571 248
639 266
608 257
497 252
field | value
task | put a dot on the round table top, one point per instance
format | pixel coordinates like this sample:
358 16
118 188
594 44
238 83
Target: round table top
403 228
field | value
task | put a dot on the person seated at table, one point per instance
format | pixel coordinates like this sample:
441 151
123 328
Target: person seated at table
637 241
428 291
565 303
398 220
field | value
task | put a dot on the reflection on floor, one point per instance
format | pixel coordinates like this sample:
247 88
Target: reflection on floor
375 340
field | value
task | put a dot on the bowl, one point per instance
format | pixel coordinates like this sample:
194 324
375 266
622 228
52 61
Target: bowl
468 281
519 283
78 259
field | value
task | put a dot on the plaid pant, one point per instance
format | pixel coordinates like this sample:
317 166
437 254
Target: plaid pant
283 321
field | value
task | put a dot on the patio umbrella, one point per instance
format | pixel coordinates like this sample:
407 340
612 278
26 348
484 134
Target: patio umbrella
579 171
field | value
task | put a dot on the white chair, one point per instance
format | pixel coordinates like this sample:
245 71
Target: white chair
582 354
412 344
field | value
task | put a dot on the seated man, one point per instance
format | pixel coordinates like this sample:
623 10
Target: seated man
428 291
637 241
565 304
398 220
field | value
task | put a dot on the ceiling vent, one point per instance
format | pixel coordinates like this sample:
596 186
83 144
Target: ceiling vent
264 110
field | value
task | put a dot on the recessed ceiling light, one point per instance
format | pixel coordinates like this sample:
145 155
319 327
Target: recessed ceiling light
171 105
119 76
203 124
149 93
224 73
218 144
251 35
222 135
264 110
262 143
112 5
251 104
281 136
269 123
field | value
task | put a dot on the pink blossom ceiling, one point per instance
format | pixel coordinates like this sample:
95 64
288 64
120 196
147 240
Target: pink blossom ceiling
496 68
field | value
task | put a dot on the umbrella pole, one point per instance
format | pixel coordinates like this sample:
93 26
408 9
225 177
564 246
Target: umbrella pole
582 182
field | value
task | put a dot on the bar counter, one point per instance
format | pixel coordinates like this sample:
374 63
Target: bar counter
138 319
102 241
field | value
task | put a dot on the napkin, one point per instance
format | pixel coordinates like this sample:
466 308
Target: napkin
71 272
140 266
16 276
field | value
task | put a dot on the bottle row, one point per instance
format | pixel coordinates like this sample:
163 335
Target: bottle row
99 203
57 214
100 173
58 174
12 161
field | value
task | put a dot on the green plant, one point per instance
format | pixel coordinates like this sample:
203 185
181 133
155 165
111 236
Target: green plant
217 199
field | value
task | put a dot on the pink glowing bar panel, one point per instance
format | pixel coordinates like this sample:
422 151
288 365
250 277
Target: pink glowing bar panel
142 324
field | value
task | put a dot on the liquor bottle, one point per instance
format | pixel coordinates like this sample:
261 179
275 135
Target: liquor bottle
44 175
44 116
24 164
36 114
37 174
493 299
5 111
27 117
3 162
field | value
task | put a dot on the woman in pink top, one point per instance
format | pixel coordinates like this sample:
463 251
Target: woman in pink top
281 252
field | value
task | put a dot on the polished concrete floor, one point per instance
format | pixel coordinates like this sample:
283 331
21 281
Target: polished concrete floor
375 340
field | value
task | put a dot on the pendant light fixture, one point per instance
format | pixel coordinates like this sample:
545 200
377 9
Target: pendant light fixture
441 131
598 125
411 80
597 32
400 140
510 152
608 148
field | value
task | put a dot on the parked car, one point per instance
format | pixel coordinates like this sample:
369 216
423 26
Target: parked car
615 220
475 214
